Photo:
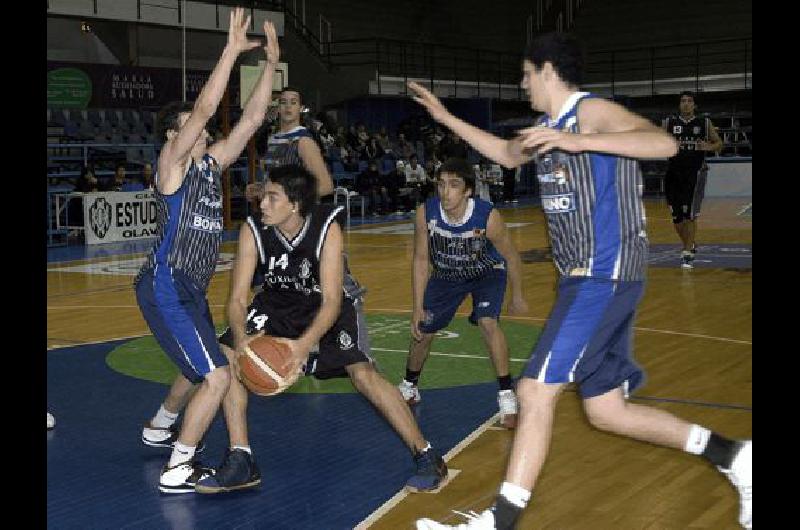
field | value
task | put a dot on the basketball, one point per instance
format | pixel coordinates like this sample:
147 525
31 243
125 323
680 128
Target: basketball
263 367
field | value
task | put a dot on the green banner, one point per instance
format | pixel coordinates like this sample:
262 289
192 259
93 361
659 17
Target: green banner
68 88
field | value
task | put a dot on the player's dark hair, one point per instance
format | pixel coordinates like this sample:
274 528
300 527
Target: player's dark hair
292 89
167 117
688 93
460 168
298 184
563 50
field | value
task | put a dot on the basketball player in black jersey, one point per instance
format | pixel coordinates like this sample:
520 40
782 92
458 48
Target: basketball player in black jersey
171 287
308 298
685 181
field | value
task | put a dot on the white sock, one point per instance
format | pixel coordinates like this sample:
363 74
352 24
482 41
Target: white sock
164 418
180 453
243 448
697 440
517 496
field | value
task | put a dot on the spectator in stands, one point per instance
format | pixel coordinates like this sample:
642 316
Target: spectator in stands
416 178
399 192
352 137
147 176
327 139
369 184
383 140
87 182
404 149
119 179
372 150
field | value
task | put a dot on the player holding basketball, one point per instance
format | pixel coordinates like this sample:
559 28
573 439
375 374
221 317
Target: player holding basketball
685 181
171 287
586 150
464 240
308 297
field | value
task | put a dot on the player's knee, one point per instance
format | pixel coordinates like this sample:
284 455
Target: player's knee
362 375
532 394
604 418
488 325
219 379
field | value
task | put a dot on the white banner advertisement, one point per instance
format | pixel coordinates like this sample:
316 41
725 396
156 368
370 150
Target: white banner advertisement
119 216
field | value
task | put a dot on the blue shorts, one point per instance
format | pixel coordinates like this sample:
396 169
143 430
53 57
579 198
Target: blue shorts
178 315
588 337
442 298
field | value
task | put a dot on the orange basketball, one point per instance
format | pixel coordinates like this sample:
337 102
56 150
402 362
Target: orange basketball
263 367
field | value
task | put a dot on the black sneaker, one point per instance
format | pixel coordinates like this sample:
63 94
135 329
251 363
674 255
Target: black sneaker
237 471
431 472
687 260
164 437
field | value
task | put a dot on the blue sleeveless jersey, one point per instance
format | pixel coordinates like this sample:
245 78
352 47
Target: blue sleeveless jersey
190 224
593 205
460 251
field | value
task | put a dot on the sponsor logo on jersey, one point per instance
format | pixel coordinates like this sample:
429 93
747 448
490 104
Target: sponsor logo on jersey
206 224
562 203
345 341
696 130
100 217
214 202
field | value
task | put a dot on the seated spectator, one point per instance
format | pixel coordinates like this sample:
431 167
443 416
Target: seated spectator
372 150
87 182
400 194
118 181
416 179
147 176
383 140
326 138
370 184
404 148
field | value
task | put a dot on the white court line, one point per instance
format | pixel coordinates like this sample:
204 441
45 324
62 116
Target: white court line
457 355
402 494
378 310
668 332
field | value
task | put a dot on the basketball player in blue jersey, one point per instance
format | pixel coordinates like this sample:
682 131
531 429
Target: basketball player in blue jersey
309 298
585 149
171 287
461 247
685 180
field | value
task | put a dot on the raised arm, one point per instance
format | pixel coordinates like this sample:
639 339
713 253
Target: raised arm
606 127
227 151
313 161
177 147
505 152
420 271
497 232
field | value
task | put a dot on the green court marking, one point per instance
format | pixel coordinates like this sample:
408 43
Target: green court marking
459 356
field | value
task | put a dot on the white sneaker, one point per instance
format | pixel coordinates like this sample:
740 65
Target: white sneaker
482 521
51 421
507 403
410 392
741 476
182 478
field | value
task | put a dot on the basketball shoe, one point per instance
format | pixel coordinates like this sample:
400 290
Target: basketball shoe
507 403
182 477
237 471
475 521
741 476
687 260
410 392
431 471
164 437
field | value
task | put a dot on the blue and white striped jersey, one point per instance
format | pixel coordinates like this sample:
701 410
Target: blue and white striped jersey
460 250
190 224
593 205
282 148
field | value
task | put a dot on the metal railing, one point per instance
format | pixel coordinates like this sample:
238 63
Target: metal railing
727 62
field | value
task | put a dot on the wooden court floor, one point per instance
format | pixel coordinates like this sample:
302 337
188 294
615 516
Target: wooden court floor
693 337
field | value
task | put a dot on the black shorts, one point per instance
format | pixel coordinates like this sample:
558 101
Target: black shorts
346 343
685 189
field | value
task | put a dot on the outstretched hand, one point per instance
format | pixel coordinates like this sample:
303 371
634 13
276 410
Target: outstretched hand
425 97
540 139
237 32
271 47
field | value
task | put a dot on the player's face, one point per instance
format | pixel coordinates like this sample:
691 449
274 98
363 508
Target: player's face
289 107
276 208
533 85
687 105
452 191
